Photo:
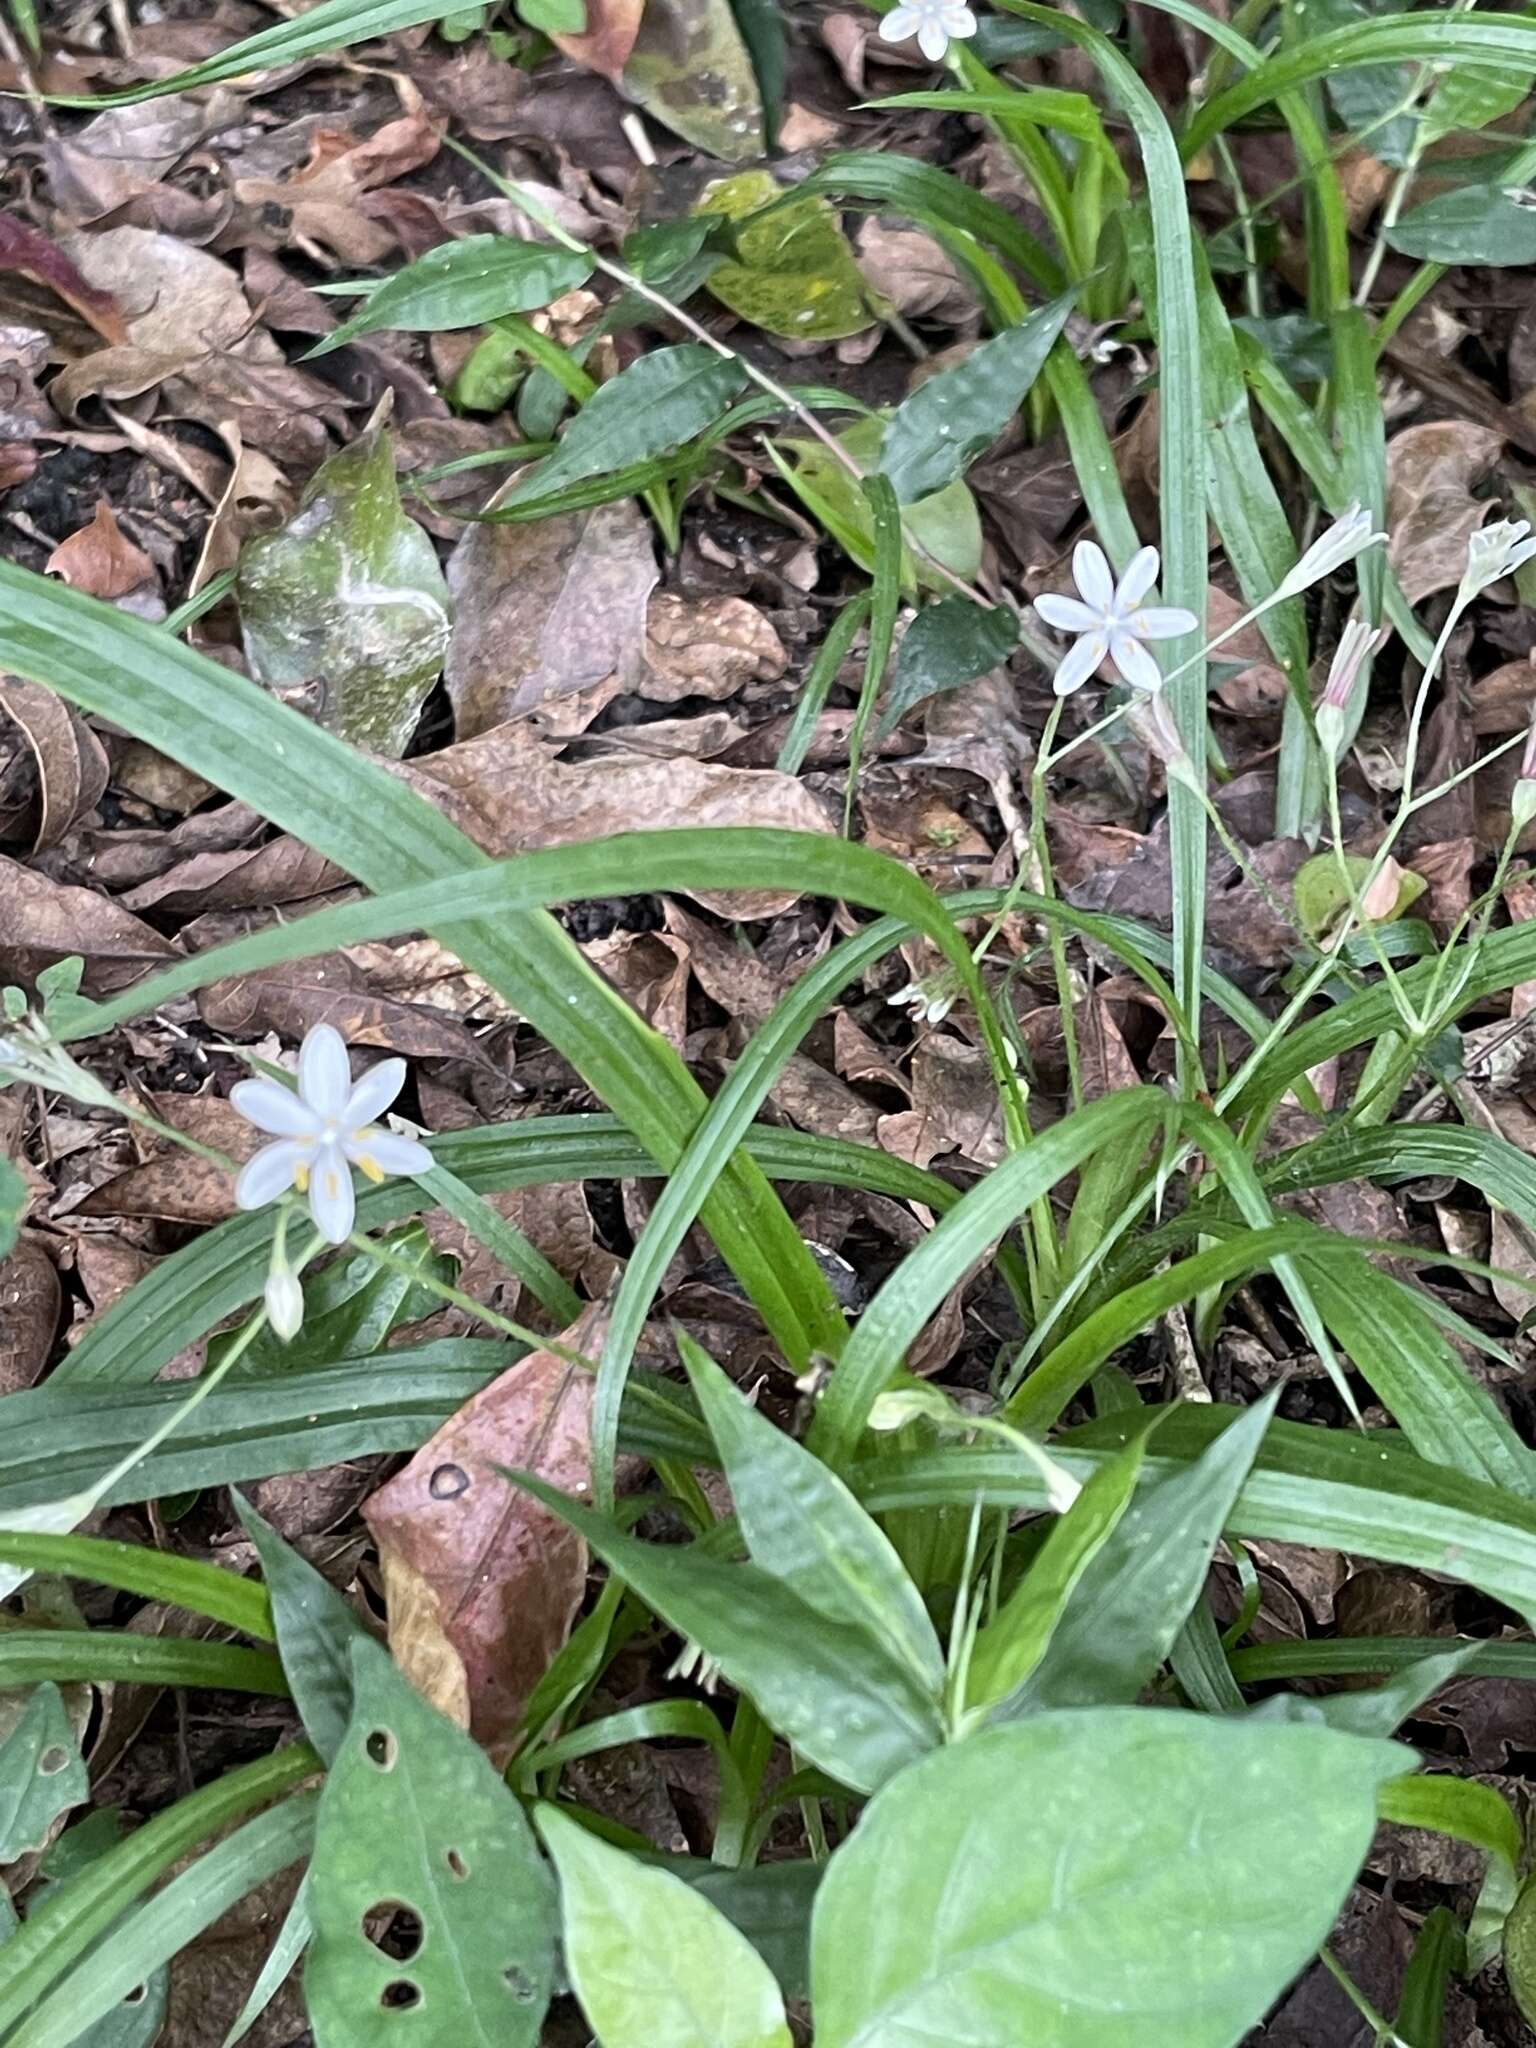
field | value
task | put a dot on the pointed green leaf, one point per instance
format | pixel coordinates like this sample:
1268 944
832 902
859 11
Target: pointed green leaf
1479 223
953 416
947 644
414 1818
804 1528
1131 1600
660 401
820 1684
651 1960
465 284
1098 1879
316 1630
15 1199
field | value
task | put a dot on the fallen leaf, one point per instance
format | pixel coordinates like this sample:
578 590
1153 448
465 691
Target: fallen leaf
954 1107
100 559
69 760
174 1185
707 647
913 271
324 197
650 971
608 39
1431 512
549 618
42 921
795 273
32 255
349 595
329 990
30 1301
504 790
689 68
493 1578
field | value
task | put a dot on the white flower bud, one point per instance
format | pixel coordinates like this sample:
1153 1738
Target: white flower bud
1349 535
283 1297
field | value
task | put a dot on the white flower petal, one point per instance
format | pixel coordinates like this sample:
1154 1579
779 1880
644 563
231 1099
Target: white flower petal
1161 622
1067 614
270 1172
1135 662
1090 572
901 23
272 1107
386 1152
933 40
374 1093
325 1074
1140 575
1080 663
959 22
331 1200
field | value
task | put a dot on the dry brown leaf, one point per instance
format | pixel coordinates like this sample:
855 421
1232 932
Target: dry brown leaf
26 253
100 559
42 921
330 990
177 1186
23 409
69 760
504 790
609 37
505 1575
650 971
1431 512
549 618
707 647
324 198
29 1313
913 271
954 1107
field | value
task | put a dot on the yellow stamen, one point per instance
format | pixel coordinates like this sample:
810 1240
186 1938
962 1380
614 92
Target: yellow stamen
301 1179
371 1168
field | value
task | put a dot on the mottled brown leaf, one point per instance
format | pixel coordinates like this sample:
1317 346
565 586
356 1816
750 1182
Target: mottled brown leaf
504 1576
29 1313
100 559
1431 512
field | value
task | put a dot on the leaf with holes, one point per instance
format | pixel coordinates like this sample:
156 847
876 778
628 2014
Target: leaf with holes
434 1914
651 1960
41 1775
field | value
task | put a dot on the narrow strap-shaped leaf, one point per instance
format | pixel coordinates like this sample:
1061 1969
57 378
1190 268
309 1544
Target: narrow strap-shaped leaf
315 1633
375 826
153 1574
68 1656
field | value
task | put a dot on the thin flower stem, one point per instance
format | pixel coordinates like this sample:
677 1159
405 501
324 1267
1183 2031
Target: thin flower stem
382 1255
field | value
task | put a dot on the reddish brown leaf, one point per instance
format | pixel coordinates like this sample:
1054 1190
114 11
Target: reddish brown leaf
485 1579
612 26
100 559
34 256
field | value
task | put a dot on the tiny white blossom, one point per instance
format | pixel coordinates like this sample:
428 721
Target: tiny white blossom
1495 551
323 1130
1111 619
935 23
1350 535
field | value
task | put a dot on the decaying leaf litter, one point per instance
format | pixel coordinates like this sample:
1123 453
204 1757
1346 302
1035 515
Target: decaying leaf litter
180 427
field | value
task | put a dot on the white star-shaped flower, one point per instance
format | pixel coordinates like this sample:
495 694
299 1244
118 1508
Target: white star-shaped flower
1112 620
935 23
323 1130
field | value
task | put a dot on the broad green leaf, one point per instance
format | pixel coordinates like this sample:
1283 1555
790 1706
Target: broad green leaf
1468 98
41 1775
414 1817
1098 1879
554 17
935 435
1520 1950
101 1986
651 1960
1133 1595
15 1199
762 27
949 643
804 1528
316 1630
1480 224
349 596
770 1904
464 284
795 274
660 401
818 1682
1467 1811
1009 1648
947 524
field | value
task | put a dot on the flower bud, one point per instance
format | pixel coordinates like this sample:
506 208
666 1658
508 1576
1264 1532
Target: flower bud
1349 535
283 1297
1357 641
1493 552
